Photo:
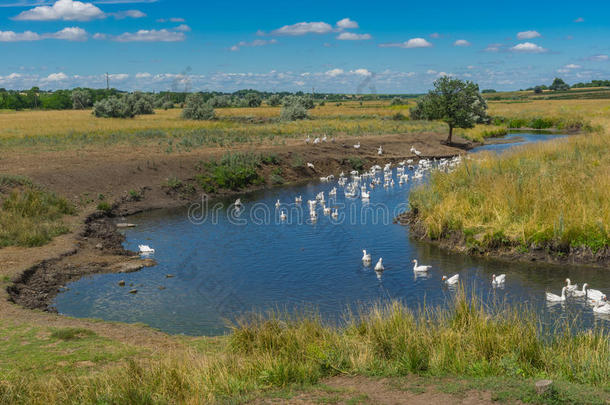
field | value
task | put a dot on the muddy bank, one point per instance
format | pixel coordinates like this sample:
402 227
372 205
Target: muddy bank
135 186
455 241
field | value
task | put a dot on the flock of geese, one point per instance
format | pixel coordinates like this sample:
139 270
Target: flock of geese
595 298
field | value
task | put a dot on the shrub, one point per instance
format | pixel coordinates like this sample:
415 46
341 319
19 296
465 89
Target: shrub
105 207
397 101
294 108
81 99
167 105
196 108
253 100
112 107
274 100
220 101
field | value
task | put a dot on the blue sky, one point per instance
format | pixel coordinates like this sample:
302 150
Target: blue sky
338 46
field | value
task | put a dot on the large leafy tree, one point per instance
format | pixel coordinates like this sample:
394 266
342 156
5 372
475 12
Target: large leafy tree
456 102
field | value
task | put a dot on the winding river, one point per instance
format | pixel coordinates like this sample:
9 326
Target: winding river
216 263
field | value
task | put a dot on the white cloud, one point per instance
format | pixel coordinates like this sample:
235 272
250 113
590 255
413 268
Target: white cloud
461 42
350 36
579 20
493 48
99 35
57 77
119 15
256 42
143 75
66 10
599 58
334 72
346 23
528 47
67 34
150 36
119 76
299 83
572 66
303 28
361 72
183 28
411 43
528 34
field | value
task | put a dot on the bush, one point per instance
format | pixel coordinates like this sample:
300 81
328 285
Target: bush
81 99
397 101
220 101
294 108
112 107
196 108
274 100
253 100
167 105
105 207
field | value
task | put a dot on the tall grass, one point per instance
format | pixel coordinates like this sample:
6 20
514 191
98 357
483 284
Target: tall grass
464 339
29 216
553 194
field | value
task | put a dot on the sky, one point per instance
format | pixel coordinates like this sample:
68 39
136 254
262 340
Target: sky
327 46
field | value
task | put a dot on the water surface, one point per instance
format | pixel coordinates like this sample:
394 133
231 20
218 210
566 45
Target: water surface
223 263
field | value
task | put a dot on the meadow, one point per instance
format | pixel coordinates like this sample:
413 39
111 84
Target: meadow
467 342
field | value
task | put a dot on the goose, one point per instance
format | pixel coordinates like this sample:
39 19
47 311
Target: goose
237 202
335 214
594 296
324 179
283 216
451 280
357 146
380 151
581 293
570 286
326 210
556 298
420 267
365 195
308 139
333 191
379 265
310 165
497 280
324 139
602 307
298 199
145 249
313 215
366 257
277 204
316 141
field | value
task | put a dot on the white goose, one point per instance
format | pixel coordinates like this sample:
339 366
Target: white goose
451 280
420 267
594 296
283 216
365 195
570 286
316 141
298 199
310 165
556 298
145 249
333 191
581 293
238 203
335 214
497 280
602 307
380 151
379 265
366 257
277 204
357 146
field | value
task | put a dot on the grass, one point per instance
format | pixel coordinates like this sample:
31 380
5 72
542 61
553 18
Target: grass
234 171
264 354
29 215
554 194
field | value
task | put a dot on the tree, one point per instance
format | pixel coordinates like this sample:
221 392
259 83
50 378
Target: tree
196 108
538 90
253 99
294 108
458 103
559 85
81 99
274 100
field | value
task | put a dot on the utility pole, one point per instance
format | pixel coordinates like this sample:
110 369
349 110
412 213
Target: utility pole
107 81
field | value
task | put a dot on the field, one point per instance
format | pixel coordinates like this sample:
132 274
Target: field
553 195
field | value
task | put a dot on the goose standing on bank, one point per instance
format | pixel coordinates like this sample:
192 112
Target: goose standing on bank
498 280
379 265
556 298
451 280
145 249
422 267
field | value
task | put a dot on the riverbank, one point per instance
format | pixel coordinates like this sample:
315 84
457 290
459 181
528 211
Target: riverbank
544 202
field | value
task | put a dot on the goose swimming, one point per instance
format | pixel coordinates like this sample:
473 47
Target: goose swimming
581 293
283 216
556 298
422 267
379 265
497 280
451 280
570 286
145 249
277 204
366 257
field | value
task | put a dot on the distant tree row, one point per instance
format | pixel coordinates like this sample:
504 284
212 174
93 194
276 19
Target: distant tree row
560 85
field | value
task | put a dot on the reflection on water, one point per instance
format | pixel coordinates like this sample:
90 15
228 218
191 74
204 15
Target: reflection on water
230 263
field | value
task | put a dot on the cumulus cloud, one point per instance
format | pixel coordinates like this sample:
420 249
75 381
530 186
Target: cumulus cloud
66 10
150 36
361 72
572 66
350 36
599 58
173 19
56 77
528 47
334 72
183 28
304 28
528 34
256 42
493 48
411 43
67 34
143 75
120 15
346 23
461 42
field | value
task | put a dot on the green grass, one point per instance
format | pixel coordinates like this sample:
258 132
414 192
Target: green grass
467 340
234 171
29 215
